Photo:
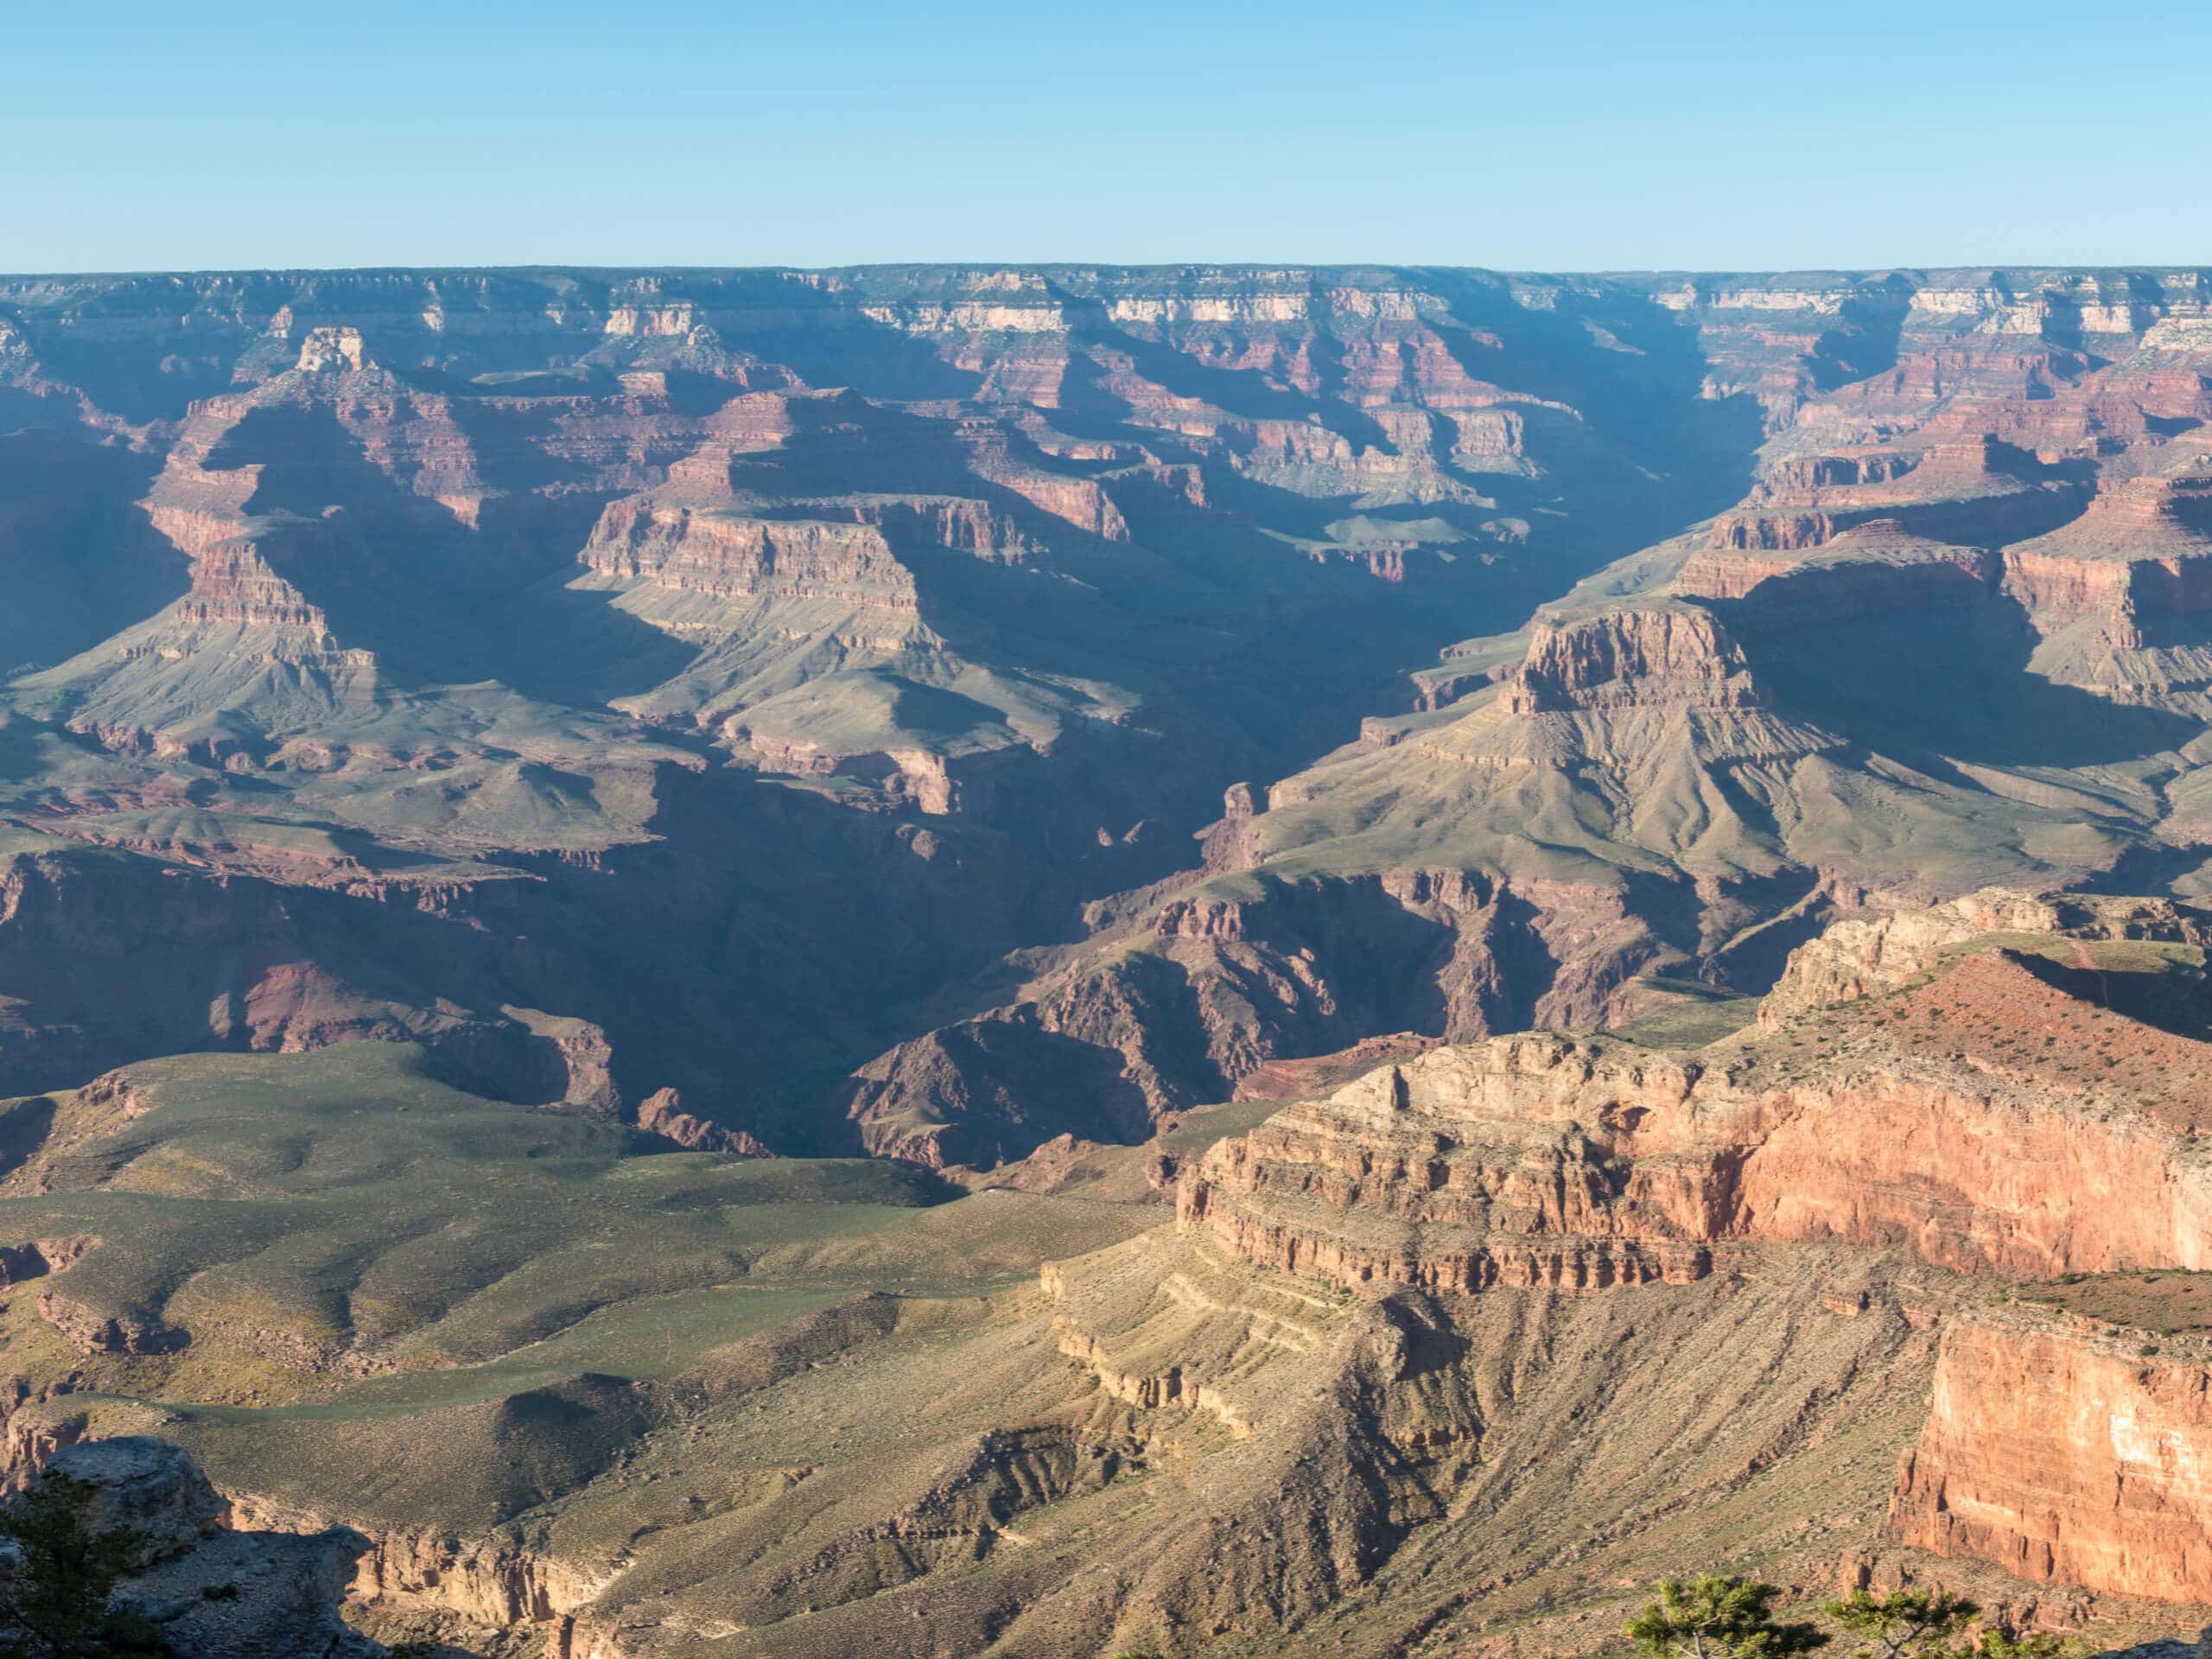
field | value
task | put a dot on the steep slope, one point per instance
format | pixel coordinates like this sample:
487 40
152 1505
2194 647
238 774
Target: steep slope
1949 639
2009 1089
1962 1115
674 644
1455 1358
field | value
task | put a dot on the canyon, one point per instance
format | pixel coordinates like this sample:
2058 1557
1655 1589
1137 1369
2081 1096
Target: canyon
1896 1277
1212 960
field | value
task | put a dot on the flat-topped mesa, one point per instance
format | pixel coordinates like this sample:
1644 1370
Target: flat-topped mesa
1871 570
842 548
957 524
725 555
1651 657
1981 490
2144 546
1937 1119
1839 472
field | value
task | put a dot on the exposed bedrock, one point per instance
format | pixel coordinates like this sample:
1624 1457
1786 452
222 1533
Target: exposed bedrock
491 1581
1709 757
1218 988
1620 658
1556 1161
213 1582
726 555
2068 1453
2006 1089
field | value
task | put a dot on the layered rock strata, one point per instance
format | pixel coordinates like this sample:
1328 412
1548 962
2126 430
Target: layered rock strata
1970 1087
2067 1452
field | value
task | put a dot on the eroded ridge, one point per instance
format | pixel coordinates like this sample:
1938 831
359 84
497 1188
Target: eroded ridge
2008 1090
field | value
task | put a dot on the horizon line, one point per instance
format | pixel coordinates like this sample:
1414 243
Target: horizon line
1613 272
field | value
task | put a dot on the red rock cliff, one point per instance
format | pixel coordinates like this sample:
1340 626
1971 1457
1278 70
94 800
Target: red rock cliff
2065 1454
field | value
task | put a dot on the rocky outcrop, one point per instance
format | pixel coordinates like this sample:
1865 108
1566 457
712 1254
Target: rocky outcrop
2067 1453
1943 1085
662 1113
1624 1190
1321 1074
1219 987
1863 956
90 1332
1376 1186
292 1564
1584 1163
1167 1390
1878 569
213 1587
145 1484
726 556
1621 659
491 1580
239 580
41 1257
1981 489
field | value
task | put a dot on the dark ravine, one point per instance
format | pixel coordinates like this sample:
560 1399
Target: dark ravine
649 649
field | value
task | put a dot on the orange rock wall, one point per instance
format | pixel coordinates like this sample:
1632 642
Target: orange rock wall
2065 1458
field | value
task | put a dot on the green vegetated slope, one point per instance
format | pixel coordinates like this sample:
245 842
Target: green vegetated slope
331 1245
794 1410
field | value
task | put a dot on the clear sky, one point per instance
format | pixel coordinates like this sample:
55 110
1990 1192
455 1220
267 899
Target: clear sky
1715 134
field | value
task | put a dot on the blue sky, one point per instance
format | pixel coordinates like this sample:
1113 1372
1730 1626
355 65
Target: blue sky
1718 135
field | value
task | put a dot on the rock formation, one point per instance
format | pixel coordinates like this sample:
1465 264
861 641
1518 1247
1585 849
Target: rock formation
1683 767
662 1113
1852 1289
624 640
211 1588
2066 1451
1994 1088
620 613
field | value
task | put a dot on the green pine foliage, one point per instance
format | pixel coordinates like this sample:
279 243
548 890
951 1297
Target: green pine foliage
1715 1617
1999 1644
1903 1624
1931 1624
53 1596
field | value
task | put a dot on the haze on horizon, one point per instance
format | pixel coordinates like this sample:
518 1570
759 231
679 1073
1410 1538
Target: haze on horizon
1734 136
